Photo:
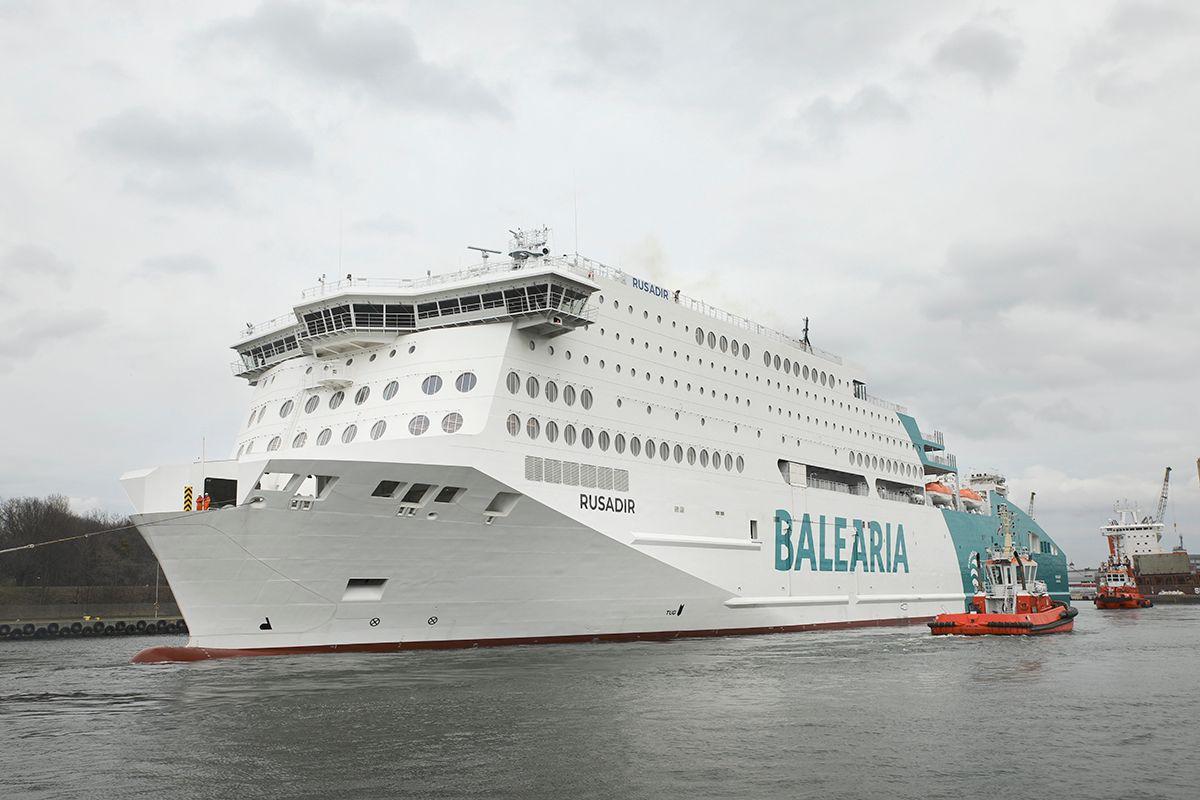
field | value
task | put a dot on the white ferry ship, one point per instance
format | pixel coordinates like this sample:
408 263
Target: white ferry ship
547 449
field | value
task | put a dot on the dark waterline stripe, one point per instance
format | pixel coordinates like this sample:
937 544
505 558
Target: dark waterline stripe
162 655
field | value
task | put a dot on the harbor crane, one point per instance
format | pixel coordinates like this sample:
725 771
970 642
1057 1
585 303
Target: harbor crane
1161 512
1030 511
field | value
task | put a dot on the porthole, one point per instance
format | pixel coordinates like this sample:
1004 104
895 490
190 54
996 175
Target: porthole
741 463
804 374
704 458
823 377
787 365
262 411
852 459
733 346
300 439
432 384
274 443
776 360
349 361
390 390
513 382
532 387
349 433
392 354
361 395
378 428
286 408
586 437
532 344
724 344
551 391
513 424
412 348
728 462
323 437
716 460
249 447
619 443
336 399
533 428
691 455
569 395
766 359
373 356
418 424
645 315
650 448
311 404
746 351
250 421
465 382
796 368
699 335
452 422
551 431
635 446
603 440
569 434
664 451
712 339
308 371
678 453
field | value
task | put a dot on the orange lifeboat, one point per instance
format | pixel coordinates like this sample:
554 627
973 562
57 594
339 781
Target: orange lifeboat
971 500
939 493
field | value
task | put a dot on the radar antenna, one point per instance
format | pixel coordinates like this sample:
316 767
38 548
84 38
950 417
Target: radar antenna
484 251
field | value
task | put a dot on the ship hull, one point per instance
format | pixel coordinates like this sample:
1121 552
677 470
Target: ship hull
264 578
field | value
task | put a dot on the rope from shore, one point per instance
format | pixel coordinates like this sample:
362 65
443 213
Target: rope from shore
118 529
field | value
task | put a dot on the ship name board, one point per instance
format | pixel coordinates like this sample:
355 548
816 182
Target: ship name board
650 288
855 545
604 502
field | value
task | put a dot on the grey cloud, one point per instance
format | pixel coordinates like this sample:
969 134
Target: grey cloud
607 50
370 52
1150 20
31 261
264 139
177 264
384 224
30 332
981 51
827 120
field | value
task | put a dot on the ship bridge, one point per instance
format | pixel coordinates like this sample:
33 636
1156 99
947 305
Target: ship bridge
545 297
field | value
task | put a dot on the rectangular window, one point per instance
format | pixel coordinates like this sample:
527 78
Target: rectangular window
416 493
386 489
449 494
754 529
363 589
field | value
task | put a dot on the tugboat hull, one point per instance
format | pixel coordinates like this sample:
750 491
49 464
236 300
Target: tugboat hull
1114 602
1057 619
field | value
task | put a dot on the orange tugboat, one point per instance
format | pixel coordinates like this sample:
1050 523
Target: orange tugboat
1117 588
1009 599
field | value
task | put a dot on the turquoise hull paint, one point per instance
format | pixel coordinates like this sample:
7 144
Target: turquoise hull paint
976 533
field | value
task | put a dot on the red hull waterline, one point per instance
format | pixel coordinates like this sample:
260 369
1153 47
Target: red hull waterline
1053 620
163 655
1109 603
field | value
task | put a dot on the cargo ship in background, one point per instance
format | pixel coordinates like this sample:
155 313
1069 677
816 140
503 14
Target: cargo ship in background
549 449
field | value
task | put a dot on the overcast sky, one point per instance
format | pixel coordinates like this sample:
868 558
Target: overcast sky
993 208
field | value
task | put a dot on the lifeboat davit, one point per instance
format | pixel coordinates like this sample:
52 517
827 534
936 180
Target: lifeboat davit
939 493
1009 600
971 500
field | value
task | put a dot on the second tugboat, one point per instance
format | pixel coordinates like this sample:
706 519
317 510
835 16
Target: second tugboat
1009 600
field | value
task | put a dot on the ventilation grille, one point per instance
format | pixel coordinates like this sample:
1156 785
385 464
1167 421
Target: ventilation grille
571 473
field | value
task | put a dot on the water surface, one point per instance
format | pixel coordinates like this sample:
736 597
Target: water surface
1110 710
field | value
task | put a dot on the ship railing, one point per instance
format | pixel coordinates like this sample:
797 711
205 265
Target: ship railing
934 436
888 404
859 489
270 326
945 459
